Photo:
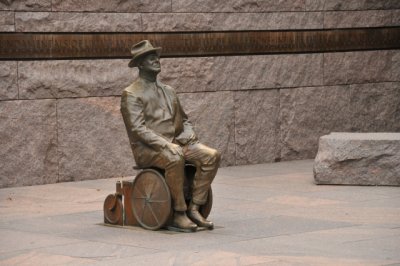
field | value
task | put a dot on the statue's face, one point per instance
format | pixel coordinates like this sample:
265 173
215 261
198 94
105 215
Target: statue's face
151 62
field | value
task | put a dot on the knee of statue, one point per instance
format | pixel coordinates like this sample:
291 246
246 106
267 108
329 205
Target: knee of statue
176 160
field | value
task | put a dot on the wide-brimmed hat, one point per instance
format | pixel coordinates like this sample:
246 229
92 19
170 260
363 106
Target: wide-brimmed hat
140 49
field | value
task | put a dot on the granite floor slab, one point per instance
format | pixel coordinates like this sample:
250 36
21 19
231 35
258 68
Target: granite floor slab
267 214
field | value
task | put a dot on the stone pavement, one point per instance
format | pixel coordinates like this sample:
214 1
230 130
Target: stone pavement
269 214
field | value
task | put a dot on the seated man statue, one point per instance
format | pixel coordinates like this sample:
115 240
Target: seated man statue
161 136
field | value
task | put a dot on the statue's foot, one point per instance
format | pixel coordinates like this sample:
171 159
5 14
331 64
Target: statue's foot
182 223
194 215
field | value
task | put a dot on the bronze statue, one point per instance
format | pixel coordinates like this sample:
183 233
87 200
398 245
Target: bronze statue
161 136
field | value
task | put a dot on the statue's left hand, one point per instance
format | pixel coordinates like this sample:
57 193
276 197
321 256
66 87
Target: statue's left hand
175 149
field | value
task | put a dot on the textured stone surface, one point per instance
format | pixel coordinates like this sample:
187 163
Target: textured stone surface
76 22
231 21
28 140
26 5
353 19
92 139
308 113
8 80
237 5
113 6
188 74
358 159
396 17
361 67
360 4
213 117
7 21
375 107
256 126
266 71
315 5
73 78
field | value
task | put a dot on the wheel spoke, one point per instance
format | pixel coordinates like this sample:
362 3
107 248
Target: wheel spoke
141 194
154 215
144 207
157 201
151 189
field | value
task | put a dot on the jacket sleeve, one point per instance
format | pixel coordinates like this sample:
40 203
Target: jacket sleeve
187 135
132 112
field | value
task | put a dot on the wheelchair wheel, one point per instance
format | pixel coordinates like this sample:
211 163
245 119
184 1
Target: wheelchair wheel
151 199
112 209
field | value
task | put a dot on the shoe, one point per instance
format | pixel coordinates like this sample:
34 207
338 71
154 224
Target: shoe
194 215
182 223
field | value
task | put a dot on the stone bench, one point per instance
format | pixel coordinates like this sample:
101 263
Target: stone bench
358 159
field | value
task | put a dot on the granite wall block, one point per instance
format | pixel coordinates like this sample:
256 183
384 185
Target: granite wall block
396 17
73 78
256 126
361 67
266 71
212 115
237 5
77 22
28 141
112 6
191 74
231 21
360 4
93 142
8 80
308 113
375 107
26 5
7 23
354 19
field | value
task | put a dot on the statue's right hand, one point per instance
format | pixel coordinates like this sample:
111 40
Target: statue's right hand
175 149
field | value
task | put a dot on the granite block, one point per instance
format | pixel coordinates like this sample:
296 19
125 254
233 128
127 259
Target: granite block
308 113
26 5
396 17
8 80
77 22
231 21
73 78
212 115
256 126
315 5
358 159
112 6
360 4
7 23
375 107
93 142
191 74
266 71
354 19
361 67
28 136
237 5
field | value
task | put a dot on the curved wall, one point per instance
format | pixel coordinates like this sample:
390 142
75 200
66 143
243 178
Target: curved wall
60 120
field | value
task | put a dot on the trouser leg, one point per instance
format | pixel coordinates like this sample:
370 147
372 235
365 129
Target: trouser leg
174 177
206 161
173 165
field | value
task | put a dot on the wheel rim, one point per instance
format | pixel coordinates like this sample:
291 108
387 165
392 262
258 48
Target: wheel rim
151 199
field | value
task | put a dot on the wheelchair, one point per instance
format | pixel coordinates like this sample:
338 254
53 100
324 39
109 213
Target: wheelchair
146 200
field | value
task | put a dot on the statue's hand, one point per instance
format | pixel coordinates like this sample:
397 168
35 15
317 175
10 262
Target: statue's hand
175 149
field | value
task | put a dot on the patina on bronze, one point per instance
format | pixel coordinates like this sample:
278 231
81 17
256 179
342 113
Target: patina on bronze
115 45
162 137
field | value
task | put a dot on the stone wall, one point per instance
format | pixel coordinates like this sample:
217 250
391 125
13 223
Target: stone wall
60 120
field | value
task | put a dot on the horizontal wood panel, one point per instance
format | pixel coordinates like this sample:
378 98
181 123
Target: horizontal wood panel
29 46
